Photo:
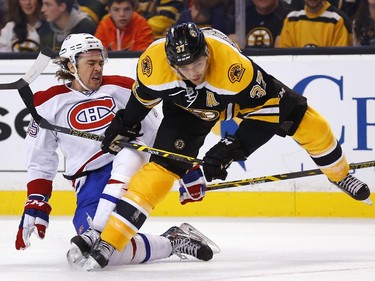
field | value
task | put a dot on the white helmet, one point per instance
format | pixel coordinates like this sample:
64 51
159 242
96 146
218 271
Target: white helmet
75 44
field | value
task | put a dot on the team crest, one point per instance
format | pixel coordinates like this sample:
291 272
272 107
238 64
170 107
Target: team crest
235 72
179 144
260 37
147 66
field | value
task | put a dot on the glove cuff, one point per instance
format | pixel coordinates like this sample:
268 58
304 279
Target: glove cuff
40 186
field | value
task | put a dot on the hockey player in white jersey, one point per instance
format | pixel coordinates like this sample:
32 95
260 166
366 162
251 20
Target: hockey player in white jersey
88 102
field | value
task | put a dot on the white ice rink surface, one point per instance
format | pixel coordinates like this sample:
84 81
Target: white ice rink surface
251 249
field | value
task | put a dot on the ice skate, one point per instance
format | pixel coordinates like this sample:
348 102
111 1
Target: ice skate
81 245
99 256
355 188
186 240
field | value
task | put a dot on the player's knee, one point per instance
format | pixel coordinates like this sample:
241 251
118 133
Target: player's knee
150 185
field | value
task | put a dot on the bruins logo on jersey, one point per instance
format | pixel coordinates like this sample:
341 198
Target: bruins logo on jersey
179 144
147 66
260 37
235 72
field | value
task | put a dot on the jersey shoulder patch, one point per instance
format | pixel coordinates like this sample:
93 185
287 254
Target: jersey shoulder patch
122 81
43 96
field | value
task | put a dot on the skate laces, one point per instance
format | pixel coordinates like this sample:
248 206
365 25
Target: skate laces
184 245
105 249
351 184
90 236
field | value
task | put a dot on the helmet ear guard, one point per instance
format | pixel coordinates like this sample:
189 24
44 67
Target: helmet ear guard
184 44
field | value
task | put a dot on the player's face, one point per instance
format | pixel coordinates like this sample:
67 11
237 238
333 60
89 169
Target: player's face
121 14
196 71
90 70
28 6
52 11
265 5
314 5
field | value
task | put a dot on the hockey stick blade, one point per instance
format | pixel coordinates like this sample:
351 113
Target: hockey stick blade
280 177
28 99
36 69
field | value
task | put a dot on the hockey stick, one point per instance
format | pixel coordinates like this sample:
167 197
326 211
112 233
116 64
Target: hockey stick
280 177
36 69
27 97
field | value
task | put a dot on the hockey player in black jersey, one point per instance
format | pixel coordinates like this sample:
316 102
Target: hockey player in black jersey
202 77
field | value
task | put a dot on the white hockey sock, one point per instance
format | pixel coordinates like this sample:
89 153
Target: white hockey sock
112 192
150 247
143 248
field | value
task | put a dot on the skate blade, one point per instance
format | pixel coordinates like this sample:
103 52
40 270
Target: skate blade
90 264
191 229
367 201
74 255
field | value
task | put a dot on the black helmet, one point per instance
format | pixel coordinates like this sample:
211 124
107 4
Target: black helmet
184 44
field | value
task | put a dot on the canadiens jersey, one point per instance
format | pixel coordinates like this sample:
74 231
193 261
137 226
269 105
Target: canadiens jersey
234 86
92 113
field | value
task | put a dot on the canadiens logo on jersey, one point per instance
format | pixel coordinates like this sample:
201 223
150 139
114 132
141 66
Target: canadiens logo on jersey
91 115
235 72
147 66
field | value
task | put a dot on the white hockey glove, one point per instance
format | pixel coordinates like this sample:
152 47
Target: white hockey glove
35 217
192 186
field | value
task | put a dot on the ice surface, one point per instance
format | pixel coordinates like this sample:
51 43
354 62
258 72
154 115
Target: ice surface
279 249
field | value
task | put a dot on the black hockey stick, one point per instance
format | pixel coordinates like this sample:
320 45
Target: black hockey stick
36 69
27 97
280 177
22 85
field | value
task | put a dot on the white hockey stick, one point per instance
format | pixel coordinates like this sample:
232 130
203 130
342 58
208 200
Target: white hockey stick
28 99
36 69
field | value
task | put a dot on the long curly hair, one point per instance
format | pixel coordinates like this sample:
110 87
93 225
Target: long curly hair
20 20
63 73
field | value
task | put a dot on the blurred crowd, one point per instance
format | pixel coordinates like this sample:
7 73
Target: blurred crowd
132 25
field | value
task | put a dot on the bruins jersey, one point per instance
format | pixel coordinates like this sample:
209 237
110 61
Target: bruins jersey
262 30
330 27
234 85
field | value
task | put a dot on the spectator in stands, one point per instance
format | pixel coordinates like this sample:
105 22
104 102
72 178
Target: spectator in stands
164 16
364 24
264 20
123 28
21 33
96 9
319 24
3 12
64 17
349 7
207 13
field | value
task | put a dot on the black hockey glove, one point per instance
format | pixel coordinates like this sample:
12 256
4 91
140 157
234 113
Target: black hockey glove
220 156
118 130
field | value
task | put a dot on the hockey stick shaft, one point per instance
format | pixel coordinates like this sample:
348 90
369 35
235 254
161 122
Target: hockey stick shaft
27 97
280 177
36 69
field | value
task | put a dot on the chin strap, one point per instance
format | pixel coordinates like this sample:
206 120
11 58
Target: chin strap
75 74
